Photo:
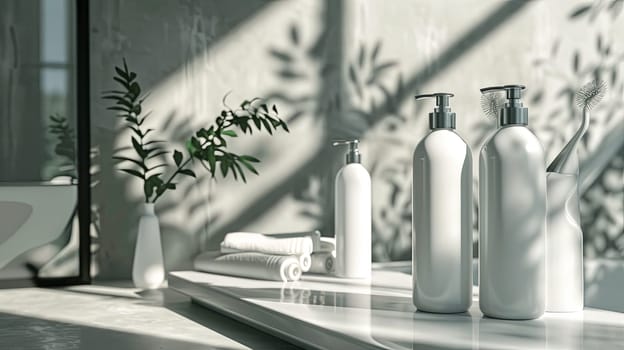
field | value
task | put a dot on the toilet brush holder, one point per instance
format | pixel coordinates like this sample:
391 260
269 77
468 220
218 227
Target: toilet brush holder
564 245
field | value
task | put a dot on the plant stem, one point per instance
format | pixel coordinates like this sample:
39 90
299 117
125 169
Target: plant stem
182 166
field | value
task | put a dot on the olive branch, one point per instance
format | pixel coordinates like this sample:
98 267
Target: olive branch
208 146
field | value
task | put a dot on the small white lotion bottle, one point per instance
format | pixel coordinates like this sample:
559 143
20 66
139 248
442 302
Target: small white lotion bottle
512 216
442 215
353 216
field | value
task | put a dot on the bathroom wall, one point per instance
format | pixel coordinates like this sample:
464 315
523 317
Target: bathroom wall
339 69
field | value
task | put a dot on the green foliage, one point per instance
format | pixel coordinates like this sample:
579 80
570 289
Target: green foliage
209 146
146 162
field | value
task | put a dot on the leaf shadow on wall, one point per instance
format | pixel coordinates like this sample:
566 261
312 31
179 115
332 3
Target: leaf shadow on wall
356 100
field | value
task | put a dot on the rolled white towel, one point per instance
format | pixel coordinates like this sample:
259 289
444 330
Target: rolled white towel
323 262
252 265
305 261
257 242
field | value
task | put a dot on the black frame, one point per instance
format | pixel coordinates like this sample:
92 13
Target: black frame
83 112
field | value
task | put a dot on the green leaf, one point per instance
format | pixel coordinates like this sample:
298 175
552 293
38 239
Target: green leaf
249 158
133 172
234 170
190 147
222 142
155 178
224 168
275 109
148 189
195 143
188 172
171 186
202 133
230 133
248 166
267 126
284 126
138 148
240 170
210 157
177 157
274 122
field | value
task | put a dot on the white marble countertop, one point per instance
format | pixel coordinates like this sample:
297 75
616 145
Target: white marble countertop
118 317
325 312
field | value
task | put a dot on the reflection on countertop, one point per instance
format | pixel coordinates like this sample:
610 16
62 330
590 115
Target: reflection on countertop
380 314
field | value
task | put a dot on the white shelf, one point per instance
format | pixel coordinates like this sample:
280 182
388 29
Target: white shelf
331 313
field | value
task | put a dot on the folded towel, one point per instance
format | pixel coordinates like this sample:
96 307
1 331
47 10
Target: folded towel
314 235
323 262
257 242
327 244
253 265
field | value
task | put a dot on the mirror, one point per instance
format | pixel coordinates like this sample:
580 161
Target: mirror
44 144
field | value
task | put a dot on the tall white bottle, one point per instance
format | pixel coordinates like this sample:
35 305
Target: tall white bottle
512 219
353 216
442 215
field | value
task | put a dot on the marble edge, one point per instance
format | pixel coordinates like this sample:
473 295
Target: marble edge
265 319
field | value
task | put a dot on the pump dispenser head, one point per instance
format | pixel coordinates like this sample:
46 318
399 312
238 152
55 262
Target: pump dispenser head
441 117
513 112
353 156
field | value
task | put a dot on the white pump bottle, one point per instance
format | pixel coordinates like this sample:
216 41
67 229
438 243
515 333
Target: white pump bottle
442 216
353 220
512 225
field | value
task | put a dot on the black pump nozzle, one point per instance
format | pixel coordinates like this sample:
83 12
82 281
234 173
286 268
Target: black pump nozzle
513 112
353 156
441 117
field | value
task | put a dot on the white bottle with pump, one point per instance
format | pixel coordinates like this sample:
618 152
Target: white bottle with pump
442 215
512 216
353 219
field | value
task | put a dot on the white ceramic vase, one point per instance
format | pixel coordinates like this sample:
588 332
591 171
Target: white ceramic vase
148 270
564 245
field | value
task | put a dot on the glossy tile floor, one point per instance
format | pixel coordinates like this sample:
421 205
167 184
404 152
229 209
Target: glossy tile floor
118 317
